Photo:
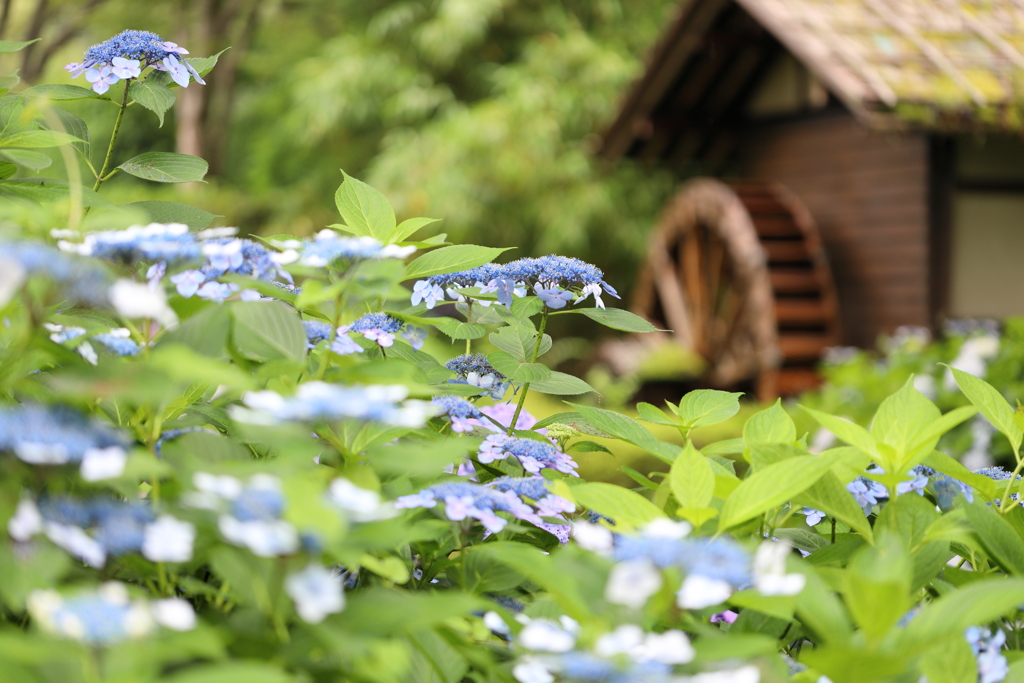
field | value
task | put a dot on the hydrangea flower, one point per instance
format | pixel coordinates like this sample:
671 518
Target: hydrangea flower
105 616
359 504
153 243
813 516
867 493
532 455
377 327
463 499
987 648
250 513
124 56
134 300
538 490
459 411
322 401
328 247
79 279
230 256
56 435
770 577
555 279
317 592
476 370
632 582
317 331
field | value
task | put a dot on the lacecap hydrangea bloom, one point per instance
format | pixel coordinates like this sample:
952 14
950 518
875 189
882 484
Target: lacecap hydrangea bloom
533 455
555 279
170 242
328 247
463 499
78 279
322 401
459 411
476 370
124 57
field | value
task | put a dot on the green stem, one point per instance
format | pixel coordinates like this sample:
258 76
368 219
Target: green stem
533 359
102 176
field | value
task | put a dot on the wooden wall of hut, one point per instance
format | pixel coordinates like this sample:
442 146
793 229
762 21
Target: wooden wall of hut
868 193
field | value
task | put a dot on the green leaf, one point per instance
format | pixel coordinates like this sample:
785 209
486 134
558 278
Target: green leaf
941 462
574 420
628 508
976 603
166 167
48 190
707 407
37 138
780 607
542 570
408 227
950 661
650 413
615 318
847 431
1002 542
773 425
691 479
28 158
268 330
365 210
456 329
153 96
878 585
173 212
450 260
771 486
991 404
561 384
232 672
725 447
830 496
11 46
72 125
61 91
7 170
821 611
515 340
900 422
622 427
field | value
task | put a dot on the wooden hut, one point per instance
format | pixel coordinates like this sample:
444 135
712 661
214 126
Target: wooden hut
891 129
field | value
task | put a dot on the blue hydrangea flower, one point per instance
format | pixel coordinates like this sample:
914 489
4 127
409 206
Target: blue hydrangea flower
79 279
53 435
459 411
718 559
329 247
532 455
987 648
536 489
322 401
476 370
230 256
104 617
946 489
170 243
119 342
317 331
867 493
124 56
463 499
121 527
813 516
557 279
416 336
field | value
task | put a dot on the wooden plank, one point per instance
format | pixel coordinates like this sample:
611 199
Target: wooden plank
787 251
794 281
800 311
768 226
803 345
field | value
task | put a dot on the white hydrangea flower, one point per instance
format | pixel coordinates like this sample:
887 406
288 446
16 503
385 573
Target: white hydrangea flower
174 613
744 674
770 577
532 670
317 592
99 464
26 522
543 635
631 583
700 591
263 538
168 540
670 647
135 300
623 640
77 542
593 537
663 527
360 504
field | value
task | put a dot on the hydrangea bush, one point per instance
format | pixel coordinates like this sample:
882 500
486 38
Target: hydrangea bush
234 460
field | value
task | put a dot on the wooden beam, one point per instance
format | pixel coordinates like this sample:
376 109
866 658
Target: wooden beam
941 188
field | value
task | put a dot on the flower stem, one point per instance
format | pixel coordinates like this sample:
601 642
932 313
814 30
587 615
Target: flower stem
1006 503
102 175
533 359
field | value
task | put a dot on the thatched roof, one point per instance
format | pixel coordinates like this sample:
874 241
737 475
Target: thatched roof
946 64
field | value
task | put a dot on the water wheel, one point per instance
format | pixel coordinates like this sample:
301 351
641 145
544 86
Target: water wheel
737 272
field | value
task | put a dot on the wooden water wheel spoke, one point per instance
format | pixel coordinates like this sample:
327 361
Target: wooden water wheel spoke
739 275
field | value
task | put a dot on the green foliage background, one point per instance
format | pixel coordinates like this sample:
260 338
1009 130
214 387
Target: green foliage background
482 112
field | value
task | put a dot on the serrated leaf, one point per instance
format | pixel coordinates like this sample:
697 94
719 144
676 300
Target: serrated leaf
72 125
48 190
561 384
36 139
574 420
850 432
155 97
173 212
28 158
590 447
456 329
166 167
707 407
976 603
900 421
365 210
773 425
650 413
1002 542
628 508
991 404
616 319
726 447
517 341
407 227
830 496
622 427
12 46
771 486
450 259
691 479
61 91
268 330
